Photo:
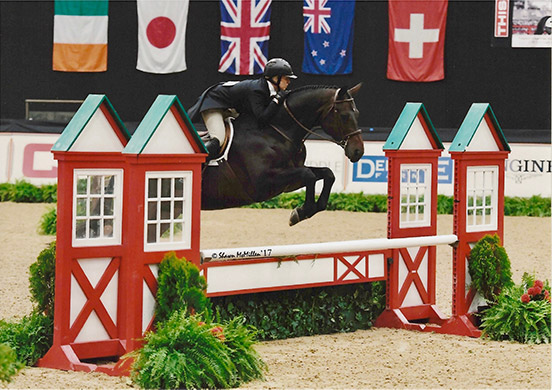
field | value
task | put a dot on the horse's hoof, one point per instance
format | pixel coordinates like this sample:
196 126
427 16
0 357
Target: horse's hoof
294 217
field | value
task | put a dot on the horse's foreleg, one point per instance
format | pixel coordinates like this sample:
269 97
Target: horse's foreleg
328 176
311 207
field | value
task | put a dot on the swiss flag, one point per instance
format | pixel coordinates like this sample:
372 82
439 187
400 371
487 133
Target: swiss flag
416 40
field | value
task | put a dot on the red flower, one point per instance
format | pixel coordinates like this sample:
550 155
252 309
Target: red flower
200 323
537 290
525 298
538 283
531 291
217 331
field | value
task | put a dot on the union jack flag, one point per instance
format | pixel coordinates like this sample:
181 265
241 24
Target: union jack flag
316 13
244 34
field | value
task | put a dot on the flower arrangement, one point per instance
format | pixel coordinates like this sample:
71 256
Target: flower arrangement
522 313
189 349
536 293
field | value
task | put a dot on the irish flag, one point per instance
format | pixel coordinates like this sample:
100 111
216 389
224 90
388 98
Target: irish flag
80 35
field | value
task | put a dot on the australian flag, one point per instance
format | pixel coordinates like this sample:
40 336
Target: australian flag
244 35
328 26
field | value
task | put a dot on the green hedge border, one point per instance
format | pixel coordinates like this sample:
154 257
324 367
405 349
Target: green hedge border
306 312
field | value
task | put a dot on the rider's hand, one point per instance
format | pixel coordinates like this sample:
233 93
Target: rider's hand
280 96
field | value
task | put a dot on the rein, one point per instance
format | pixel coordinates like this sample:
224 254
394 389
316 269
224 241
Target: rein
345 138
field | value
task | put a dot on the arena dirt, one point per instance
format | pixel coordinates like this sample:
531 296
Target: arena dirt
376 358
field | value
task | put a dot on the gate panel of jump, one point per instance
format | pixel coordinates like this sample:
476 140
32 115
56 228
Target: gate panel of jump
124 202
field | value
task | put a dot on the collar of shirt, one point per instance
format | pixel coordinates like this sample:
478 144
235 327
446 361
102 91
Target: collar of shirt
271 89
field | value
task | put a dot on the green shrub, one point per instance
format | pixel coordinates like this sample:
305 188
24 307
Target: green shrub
186 352
30 338
520 314
48 221
49 193
26 192
535 206
445 204
180 286
42 280
6 192
489 267
304 312
357 202
9 366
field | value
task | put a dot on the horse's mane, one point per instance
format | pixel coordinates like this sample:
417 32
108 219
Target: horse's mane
310 87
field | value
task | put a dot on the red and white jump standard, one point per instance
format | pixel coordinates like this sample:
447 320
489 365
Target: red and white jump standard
123 202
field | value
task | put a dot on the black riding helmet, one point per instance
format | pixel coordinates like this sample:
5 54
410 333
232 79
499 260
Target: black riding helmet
278 67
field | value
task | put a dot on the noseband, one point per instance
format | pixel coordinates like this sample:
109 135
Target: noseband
344 139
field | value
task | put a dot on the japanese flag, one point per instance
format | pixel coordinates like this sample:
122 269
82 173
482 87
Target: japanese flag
416 40
162 35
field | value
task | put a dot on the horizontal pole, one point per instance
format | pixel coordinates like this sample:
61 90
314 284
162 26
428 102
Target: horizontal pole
284 251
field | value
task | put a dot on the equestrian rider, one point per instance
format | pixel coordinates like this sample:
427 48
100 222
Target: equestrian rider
258 97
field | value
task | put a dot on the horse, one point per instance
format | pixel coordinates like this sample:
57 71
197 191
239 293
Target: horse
265 162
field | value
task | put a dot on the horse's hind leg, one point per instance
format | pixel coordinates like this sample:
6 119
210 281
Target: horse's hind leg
311 207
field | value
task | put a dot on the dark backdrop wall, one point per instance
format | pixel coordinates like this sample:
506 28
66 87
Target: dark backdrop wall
516 82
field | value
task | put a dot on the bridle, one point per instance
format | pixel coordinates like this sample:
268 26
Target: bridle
345 138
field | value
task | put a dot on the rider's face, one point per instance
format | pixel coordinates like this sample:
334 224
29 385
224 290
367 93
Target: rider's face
284 82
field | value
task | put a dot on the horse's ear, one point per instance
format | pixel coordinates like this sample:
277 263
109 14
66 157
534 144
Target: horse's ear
355 89
342 93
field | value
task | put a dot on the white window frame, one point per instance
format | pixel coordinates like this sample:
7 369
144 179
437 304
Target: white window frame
479 186
102 240
417 190
186 220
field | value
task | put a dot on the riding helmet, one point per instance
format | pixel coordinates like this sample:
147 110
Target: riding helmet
278 67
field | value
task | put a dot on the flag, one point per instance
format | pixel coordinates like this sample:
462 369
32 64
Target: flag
162 35
244 35
416 40
80 36
328 26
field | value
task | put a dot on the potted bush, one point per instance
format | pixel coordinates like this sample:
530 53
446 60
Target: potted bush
489 268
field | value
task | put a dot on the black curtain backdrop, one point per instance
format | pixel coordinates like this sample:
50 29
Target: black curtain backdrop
516 82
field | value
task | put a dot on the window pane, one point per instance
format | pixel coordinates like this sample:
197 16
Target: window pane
81 207
109 184
178 187
177 231
152 233
165 188
80 231
95 206
166 210
81 185
108 228
152 211
95 184
177 213
108 206
152 188
94 228
165 232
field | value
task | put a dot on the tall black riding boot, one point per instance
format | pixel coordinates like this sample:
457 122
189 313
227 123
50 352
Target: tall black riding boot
213 147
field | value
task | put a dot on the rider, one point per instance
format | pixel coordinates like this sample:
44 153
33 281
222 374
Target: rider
258 97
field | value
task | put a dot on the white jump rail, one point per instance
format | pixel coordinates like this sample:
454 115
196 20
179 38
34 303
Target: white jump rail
285 251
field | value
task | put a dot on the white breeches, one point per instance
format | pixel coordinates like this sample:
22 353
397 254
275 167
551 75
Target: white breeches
214 121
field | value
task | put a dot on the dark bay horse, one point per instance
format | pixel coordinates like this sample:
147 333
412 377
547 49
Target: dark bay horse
265 162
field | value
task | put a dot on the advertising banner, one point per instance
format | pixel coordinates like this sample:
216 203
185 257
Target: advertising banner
25 156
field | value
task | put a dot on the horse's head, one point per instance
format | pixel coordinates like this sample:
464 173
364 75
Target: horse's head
340 121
